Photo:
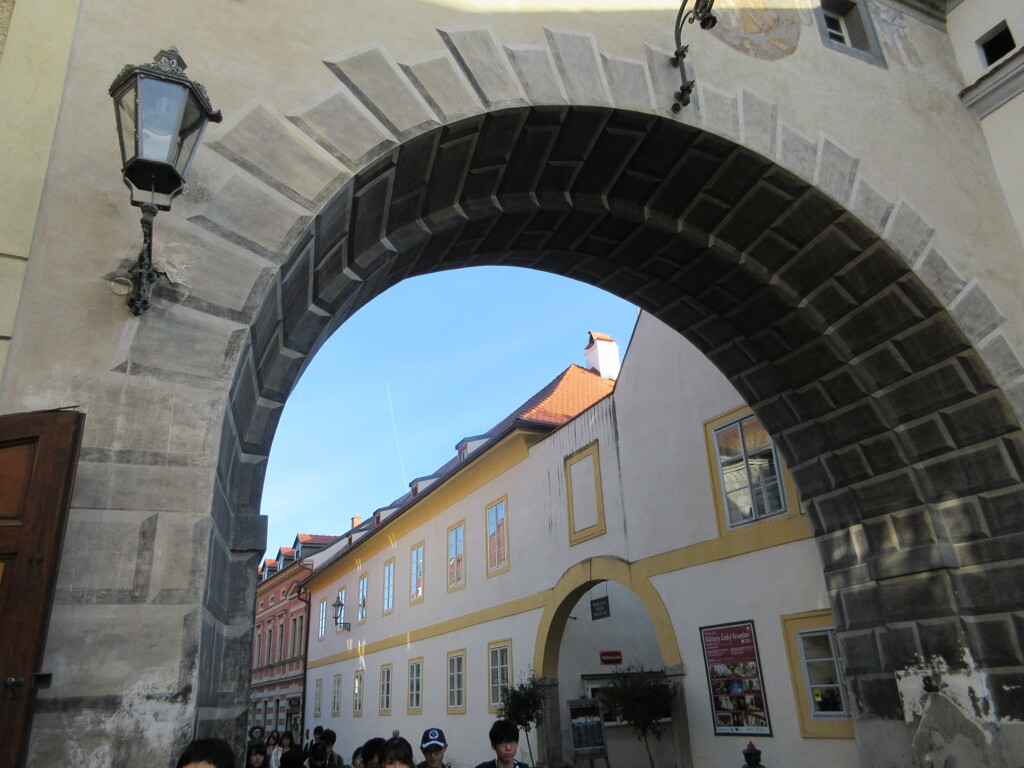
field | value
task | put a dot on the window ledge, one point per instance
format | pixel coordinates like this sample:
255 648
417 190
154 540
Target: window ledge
992 90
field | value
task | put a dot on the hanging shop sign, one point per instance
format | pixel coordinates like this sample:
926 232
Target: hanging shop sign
733 666
599 608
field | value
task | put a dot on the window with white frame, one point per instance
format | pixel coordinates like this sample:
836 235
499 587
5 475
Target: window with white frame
457 556
415 685
295 637
748 470
363 584
499 663
318 697
270 645
845 26
457 682
996 44
416 573
336 695
497 537
826 694
280 641
357 693
259 649
341 609
389 586
385 688
322 626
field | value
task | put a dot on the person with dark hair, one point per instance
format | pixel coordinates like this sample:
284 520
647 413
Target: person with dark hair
316 737
288 745
292 758
373 753
256 734
317 755
357 758
504 736
273 750
329 738
398 753
207 753
256 756
433 745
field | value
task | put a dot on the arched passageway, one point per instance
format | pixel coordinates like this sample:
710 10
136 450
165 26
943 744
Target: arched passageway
882 375
901 444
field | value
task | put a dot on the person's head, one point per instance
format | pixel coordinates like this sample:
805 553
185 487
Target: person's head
317 754
292 759
207 753
328 738
357 758
317 731
504 736
433 746
276 734
255 756
272 740
256 733
373 753
287 740
398 753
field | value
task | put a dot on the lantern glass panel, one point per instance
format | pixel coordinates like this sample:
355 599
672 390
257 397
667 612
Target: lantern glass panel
192 125
126 122
161 105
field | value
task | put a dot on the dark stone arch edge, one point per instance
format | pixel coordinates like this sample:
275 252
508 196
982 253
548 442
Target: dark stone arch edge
908 502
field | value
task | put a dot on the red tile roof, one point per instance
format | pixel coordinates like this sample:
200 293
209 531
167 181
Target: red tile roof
564 398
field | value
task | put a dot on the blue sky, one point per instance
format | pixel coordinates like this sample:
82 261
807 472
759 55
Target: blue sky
454 352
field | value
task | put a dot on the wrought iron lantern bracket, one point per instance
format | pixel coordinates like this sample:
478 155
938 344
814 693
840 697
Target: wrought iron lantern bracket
702 14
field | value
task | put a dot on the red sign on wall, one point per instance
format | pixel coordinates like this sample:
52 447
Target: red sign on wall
611 657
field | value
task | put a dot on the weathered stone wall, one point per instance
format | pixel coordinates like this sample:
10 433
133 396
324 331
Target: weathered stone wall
840 265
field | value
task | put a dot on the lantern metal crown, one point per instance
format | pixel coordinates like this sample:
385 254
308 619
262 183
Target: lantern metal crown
339 611
161 115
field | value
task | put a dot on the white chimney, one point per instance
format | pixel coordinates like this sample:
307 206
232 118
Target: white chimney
602 355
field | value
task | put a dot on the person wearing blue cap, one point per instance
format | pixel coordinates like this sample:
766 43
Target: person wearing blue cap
433 746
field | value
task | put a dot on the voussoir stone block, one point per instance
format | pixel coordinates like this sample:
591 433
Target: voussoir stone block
248 214
376 80
720 112
579 63
798 153
343 126
870 206
271 149
479 54
629 83
443 85
759 122
536 70
908 233
837 170
975 312
665 81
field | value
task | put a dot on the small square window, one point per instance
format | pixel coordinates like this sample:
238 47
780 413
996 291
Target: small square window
996 44
845 26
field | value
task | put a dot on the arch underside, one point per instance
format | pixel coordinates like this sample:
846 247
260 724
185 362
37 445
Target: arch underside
906 454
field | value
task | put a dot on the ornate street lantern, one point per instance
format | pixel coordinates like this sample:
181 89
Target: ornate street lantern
161 116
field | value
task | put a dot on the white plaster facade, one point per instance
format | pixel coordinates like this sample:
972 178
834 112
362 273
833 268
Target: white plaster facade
661 526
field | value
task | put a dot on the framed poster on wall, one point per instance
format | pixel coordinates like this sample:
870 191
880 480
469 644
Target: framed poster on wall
738 704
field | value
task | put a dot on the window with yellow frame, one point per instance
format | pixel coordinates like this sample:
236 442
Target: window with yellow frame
817 674
749 482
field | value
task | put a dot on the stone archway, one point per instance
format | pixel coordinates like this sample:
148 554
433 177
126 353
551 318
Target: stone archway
882 374
573 584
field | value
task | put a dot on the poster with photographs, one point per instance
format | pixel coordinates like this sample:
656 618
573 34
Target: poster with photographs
738 703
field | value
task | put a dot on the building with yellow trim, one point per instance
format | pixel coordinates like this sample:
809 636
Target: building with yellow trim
487 570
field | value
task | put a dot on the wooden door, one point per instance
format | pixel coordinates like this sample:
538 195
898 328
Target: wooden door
38 457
